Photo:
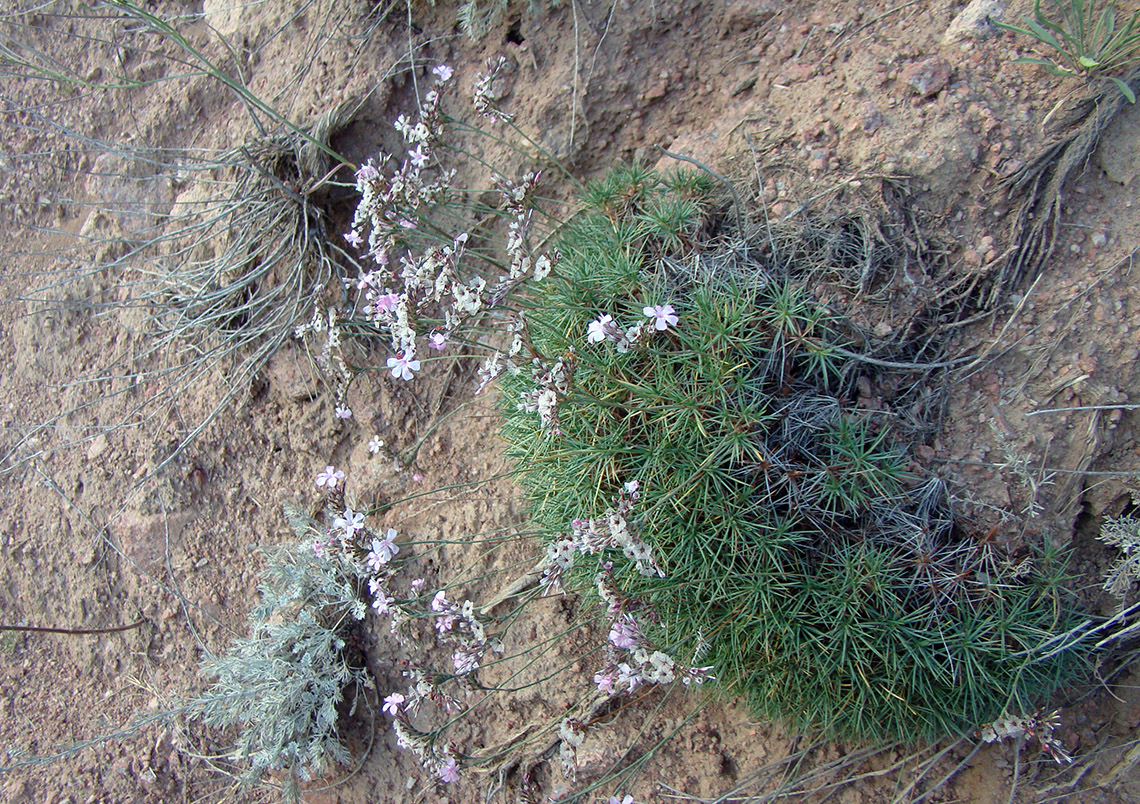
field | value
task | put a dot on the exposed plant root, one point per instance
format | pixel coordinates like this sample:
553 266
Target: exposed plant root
1040 183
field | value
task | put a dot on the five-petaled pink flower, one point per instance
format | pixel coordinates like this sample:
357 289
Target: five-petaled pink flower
386 302
448 772
383 550
605 682
392 704
599 330
403 367
418 157
351 522
330 477
663 315
383 603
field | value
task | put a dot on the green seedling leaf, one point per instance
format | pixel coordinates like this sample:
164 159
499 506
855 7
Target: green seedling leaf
1125 89
1043 35
1053 68
1088 63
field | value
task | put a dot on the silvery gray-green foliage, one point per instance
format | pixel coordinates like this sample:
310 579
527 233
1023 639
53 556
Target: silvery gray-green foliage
283 685
476 18
1122 532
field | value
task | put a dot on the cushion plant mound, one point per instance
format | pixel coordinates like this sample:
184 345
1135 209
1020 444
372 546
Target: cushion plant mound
796 554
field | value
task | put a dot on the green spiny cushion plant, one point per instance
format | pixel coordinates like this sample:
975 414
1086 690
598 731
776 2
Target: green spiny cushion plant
797 556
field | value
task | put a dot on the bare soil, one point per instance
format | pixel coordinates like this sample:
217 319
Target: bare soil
798 102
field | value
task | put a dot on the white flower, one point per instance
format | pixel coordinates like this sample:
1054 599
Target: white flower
663 314
442 72
547 402
403 366
542 267
628 675
375 445
343 412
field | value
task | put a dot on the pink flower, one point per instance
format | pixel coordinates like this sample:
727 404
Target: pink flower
625 633
383 603
437 341
448 772
465 662
383 550
605 682
367 172
343 412
599 330
444 623
442 72
439 602
418 585
386 303
330 477
418 157
663 314
351 522
403 367
354 238
417 477
392 704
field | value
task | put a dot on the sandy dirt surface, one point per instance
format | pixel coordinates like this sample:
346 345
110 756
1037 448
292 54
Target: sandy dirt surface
797 102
